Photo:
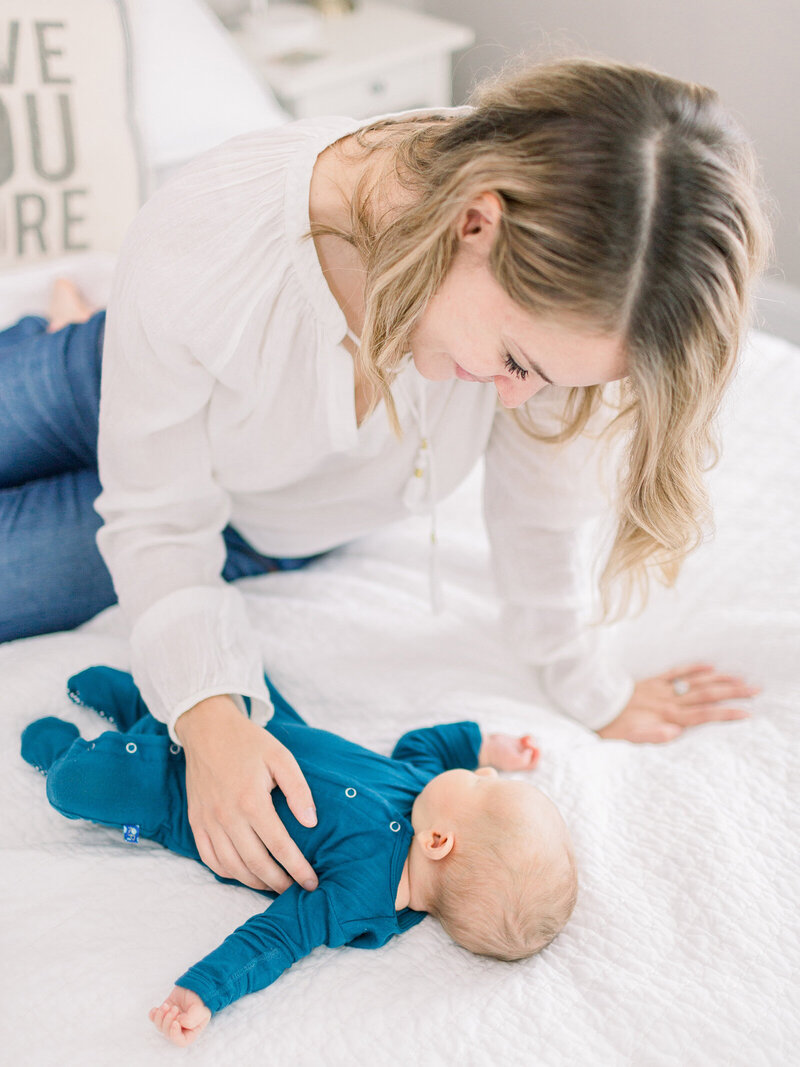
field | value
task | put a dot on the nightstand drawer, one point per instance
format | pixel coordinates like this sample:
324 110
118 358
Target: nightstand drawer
425 83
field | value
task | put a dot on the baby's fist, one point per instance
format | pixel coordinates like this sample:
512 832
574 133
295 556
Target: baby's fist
508 753
182 1017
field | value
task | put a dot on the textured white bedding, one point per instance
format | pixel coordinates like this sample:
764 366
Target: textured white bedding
683 948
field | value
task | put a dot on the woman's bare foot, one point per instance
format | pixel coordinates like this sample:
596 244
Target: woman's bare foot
66 305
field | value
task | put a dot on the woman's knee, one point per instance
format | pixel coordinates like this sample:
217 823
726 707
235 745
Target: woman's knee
49 400
52 576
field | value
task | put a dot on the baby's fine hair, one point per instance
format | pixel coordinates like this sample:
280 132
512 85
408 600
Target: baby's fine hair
510 883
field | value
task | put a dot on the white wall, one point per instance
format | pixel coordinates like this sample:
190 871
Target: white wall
746 49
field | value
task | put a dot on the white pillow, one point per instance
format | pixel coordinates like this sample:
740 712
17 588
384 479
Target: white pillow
193 87
70 172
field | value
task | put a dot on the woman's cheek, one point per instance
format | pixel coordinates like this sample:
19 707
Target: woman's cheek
513 392
435 366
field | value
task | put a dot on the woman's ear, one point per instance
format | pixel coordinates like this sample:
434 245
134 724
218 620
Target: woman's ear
436 844
478 223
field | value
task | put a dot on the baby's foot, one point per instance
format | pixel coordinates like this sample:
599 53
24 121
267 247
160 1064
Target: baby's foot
67 305
46 740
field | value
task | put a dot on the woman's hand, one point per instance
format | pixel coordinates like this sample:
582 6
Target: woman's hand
182 1017
656 712
232 766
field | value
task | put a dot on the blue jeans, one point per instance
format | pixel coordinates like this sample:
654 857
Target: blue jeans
52 576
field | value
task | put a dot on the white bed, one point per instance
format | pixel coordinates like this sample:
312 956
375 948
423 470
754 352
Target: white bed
683 949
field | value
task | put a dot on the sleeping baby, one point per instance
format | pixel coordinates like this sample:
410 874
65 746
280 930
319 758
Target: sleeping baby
431 830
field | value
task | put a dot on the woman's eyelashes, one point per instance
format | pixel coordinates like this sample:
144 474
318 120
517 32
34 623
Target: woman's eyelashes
514 368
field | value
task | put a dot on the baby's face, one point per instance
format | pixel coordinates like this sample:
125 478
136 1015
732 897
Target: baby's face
460 794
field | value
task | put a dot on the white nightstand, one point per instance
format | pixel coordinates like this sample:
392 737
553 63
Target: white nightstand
377 59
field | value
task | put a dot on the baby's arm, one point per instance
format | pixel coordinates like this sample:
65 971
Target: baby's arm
459 744
441 748
250 959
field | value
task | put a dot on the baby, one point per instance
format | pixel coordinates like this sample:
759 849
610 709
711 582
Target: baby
430 830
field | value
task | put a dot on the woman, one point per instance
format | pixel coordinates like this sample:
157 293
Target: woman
587 223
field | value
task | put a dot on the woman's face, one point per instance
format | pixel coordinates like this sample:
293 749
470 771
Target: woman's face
471 329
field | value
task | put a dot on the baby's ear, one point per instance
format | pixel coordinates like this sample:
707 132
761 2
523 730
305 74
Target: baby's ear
436 844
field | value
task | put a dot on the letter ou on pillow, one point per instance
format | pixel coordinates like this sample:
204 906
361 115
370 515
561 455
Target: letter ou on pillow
71 176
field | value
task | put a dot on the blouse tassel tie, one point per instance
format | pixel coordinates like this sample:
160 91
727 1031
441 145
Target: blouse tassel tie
421 492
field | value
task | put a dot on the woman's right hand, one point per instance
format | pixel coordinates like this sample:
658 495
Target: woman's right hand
232 766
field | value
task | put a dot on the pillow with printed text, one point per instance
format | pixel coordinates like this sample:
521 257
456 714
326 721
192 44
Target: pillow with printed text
70 169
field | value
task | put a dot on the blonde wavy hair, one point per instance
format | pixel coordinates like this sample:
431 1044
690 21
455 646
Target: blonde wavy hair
632 205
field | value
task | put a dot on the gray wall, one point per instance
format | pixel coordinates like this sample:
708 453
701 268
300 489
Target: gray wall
746 49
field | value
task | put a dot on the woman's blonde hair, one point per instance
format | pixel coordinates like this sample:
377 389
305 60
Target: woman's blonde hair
632 205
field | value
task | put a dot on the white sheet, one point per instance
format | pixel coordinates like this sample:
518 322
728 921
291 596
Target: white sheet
683 948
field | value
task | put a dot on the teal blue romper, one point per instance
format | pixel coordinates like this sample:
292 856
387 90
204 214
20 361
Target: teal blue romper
134 778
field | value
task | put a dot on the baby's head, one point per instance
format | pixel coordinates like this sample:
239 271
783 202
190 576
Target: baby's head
492 860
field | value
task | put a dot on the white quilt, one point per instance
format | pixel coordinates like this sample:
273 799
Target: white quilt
683 949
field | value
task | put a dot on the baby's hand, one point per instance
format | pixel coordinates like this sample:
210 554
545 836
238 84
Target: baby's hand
182 1017
508 753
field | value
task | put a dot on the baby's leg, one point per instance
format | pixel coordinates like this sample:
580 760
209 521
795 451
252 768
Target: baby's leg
121 780
134 780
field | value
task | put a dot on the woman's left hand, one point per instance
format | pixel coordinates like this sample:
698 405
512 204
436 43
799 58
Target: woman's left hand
657 712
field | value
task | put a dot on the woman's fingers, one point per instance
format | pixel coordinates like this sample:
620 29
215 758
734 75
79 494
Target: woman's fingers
288 777
250 852
261 855
706 681
699 713
230 858
232 866
655 713
275 836
232 767
718 689
691 670
707 689
707 692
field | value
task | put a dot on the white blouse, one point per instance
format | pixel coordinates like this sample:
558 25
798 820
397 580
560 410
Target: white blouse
228 397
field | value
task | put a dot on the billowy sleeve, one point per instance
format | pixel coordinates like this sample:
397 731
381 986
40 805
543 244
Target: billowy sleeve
163 510
545 506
